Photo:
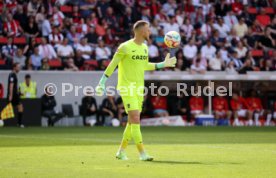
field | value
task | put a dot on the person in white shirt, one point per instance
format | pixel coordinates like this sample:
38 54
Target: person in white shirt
241 28
46 50
196 3
224 54
222 28
187 28
190 50
58 16
102 52
237 62
230 19
208 51
206 6
216 63
241 50
206 29
84 49
46 27
171 26
65 51
198 68
153 51
169 7
230 69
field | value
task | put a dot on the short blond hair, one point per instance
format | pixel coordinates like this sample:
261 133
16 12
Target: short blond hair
139 24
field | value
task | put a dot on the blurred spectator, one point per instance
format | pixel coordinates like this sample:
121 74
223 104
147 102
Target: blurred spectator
19 58
240 108
222 28
28 88
266 42
247 66
230 19
147 108
159 106
221 8
31 29
257 108
40 16
20 16
86 7
206 28
108 108
102 52
183 107
237 7
196 105
70 66
89 107
190 51
58 17
33 7
12 27
267 66
198 67
181 63
45 65
91 36
84 49
187 28
241 50
221 108
169 7
55 37
73 36
46 27
171 25
208 51
216 63
36 59
263 19
237 62
230 69
65 51
9 51
241 28
46 50
153 52
48 103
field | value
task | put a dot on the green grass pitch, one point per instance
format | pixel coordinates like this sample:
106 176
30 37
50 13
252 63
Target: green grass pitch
179 152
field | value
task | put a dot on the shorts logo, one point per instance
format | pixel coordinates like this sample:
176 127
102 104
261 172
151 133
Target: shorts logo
128 106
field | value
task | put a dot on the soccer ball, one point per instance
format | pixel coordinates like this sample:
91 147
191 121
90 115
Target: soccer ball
1 123
172 39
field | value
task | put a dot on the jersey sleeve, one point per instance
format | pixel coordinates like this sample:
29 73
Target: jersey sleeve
150 66
119 55
11 78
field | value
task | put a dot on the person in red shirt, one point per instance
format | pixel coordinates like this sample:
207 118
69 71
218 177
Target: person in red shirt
196 106
240 108
257 108
12 27
263 19
159 104
237 7
221 108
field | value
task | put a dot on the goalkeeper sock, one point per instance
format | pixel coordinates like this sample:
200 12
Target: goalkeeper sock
137 137
126 137
19 118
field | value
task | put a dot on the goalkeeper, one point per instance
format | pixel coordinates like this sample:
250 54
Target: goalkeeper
131 58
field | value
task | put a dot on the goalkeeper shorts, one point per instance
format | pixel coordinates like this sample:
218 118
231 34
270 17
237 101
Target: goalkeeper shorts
132 103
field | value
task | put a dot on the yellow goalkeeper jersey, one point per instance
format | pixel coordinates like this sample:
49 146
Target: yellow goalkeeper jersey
132 61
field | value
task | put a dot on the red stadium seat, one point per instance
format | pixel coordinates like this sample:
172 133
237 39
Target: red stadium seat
252 10
2 62
3 40
92 63
257 53
66 9
269 10
55 63
270 53
38 40
20 41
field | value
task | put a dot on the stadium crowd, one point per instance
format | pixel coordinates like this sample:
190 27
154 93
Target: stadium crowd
235 36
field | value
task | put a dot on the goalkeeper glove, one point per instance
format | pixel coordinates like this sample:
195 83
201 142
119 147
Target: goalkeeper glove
100 89
169 62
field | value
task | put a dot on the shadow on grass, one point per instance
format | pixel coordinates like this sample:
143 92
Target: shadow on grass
193 162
